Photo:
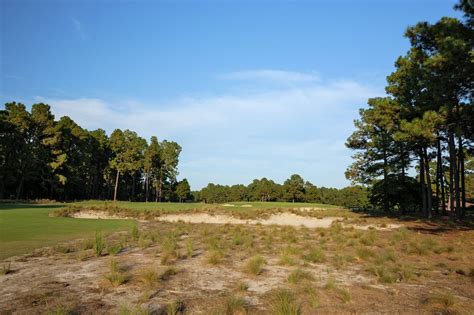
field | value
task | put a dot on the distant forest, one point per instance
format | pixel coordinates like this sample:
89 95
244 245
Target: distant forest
294 189
426 123
41 157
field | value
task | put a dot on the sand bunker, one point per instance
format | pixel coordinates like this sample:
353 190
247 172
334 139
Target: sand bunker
288 219
276 219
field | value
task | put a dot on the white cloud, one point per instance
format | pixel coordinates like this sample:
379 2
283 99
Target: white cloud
276 76
235 138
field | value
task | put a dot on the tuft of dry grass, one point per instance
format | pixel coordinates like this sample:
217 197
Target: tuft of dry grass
149 277
6 268
298 275
175 308
214 257
284 303
116 276
255 265
315 255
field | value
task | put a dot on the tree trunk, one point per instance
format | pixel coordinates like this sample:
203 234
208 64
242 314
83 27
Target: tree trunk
147 180
116 185
20 187
428 184
456 183
463 181
422 184
438 173
386 205
160 184
452 170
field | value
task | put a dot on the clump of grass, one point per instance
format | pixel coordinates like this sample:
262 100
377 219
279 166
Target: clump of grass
383 274
63 249
98 244
149 277
340 261
313 298
242 286
176 307
135 234
59 310
143 242
168 273
124 310
255 265
422 247
215 257
189 248
315 255
298 275
284 303
5 269
445 301
235 305
369 238
365 253
87 244
286 260
114 249
116 276
343 293
385 256
330 283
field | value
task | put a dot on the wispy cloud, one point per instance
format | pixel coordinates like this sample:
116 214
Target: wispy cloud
78 28
235 138
277 76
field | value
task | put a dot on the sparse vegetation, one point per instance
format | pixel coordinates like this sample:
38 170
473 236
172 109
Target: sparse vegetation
255 265
284 303
98 244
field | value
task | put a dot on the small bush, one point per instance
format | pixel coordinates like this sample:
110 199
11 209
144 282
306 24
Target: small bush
298 275
284 303
255 265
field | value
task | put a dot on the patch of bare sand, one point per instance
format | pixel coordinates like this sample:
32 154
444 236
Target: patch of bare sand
289 219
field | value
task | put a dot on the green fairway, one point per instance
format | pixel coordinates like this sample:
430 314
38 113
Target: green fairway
24 227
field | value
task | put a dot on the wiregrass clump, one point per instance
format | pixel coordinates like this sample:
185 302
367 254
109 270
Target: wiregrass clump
284 303
255 265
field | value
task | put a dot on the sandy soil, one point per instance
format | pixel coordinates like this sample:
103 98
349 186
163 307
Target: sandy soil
281 219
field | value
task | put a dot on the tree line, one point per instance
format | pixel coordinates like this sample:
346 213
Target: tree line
414 147
44 158
294 189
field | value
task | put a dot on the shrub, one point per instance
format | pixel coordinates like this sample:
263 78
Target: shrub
255 265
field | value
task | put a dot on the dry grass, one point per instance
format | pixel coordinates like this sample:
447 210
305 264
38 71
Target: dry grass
255 265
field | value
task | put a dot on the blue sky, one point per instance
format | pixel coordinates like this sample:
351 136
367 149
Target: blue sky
248 88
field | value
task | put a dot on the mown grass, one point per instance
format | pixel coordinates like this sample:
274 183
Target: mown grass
25 227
